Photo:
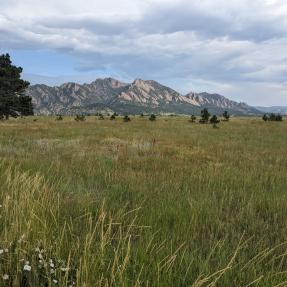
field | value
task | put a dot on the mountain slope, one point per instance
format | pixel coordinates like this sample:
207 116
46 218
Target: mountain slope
218 104
140 96
275 109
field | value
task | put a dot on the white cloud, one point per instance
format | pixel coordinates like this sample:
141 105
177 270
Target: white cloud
221 45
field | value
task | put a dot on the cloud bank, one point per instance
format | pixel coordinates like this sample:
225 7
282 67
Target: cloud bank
237 48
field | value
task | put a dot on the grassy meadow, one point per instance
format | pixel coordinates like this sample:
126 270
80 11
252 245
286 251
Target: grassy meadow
164 203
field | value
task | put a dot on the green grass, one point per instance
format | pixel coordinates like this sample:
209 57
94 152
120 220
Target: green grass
164 203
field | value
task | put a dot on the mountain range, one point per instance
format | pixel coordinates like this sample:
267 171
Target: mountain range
111 95
275 109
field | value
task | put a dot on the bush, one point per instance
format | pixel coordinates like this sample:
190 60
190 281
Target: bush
101 117
214 120
59 118
152 117
192 118
113 117
272 117
226 116
126 118
80 118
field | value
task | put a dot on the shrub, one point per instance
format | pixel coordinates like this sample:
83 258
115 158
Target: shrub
101 117
113 117
226 116
126 118
80 118
214 120
192 118
272 117
59 118
152 117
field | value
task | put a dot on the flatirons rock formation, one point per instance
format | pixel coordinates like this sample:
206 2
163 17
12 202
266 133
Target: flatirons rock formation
138 97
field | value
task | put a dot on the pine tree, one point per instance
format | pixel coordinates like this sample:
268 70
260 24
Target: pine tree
226 116
214 120
13 101
126 118
192 118
205 115
152 117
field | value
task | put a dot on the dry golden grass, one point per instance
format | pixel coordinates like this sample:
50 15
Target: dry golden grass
164 203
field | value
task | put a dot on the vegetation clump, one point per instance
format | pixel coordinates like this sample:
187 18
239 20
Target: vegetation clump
226 116
152 117
214 121
59 118
192 118
272 117
80 118
126 118
205 115
101 117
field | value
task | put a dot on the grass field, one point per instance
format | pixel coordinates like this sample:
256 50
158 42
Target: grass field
164 203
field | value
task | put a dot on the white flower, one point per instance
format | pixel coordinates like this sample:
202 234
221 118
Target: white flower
1 251
27 268
5 277
55 281
37 249
52 265
6 250
40 256
52 271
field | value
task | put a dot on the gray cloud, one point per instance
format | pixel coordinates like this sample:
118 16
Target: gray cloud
220 45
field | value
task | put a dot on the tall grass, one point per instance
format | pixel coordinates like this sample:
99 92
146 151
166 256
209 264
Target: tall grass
168 203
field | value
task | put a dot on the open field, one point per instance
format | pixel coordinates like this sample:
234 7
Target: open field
165 203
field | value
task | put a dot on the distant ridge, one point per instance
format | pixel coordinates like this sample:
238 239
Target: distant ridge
275 109
133 98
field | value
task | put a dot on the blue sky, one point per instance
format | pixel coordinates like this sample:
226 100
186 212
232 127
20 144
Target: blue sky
236 48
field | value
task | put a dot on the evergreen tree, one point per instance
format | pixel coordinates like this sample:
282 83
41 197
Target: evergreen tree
226 116
101 117
59 118
126 118
265 118
80 118
13 101
152 117
205 115
192 118
214 120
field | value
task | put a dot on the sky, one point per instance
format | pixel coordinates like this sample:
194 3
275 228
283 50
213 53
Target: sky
237 48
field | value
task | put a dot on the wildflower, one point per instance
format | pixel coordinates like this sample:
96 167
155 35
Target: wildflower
27 268
5 277
52 271
55 281
64 269
37 249
52 265
6 250
1 251
40 256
